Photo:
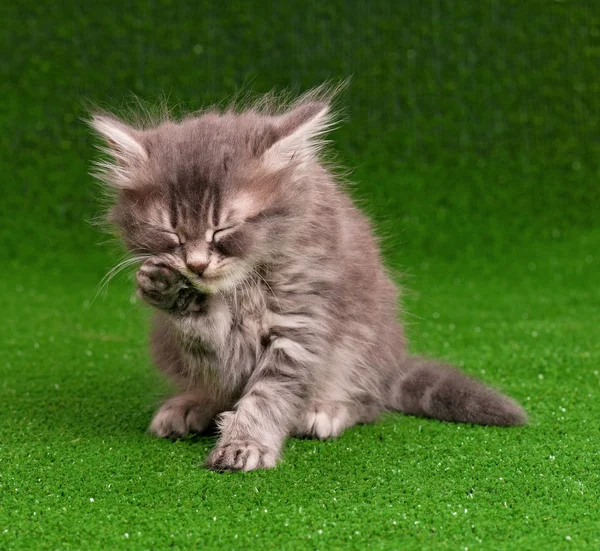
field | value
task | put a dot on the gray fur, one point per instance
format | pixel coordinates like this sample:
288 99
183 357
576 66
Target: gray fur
274 314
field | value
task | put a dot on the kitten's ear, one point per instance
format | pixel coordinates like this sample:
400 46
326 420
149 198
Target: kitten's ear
124 145
297 135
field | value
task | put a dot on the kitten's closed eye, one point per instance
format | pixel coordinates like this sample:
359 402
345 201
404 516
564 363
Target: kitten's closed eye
232 241
175 236
220 233
149 237
171 240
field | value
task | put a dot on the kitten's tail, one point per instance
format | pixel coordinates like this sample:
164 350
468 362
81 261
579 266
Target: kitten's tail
432 389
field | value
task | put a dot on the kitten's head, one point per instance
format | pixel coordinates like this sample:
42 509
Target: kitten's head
221 192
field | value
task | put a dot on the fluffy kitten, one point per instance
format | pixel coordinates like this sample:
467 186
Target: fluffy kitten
273 312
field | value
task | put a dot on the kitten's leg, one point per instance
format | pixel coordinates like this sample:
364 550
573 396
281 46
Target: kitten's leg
252 436
185 413
194 408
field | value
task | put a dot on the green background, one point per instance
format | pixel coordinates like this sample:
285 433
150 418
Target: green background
472 134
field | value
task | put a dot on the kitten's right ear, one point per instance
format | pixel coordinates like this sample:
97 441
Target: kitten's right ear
296 135
124 145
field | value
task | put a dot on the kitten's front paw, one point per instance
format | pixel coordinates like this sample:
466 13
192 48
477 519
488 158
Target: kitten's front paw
178 417
241 456
158 283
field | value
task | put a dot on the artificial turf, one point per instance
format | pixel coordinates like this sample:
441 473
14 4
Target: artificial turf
473 128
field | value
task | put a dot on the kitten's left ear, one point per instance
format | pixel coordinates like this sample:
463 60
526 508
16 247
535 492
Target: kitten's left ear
125 146
298 134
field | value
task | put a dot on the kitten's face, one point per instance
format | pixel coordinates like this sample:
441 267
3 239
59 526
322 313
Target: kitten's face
215 195
216 235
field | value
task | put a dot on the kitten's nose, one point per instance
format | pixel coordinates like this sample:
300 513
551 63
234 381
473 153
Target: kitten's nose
197 265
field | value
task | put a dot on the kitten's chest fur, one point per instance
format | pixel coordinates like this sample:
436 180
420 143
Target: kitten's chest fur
223 341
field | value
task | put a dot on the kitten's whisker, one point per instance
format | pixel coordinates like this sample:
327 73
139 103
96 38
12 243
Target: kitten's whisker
119 267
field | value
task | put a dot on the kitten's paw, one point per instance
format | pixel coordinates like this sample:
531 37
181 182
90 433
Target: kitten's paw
158 283
325 422
176 418
241 456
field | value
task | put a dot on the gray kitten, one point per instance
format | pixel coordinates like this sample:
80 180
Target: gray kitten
273 312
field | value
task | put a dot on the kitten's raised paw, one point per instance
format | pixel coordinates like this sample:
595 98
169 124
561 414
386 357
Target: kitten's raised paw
241 456
158 283
155 275
177 417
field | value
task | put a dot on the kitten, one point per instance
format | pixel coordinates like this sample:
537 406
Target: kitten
273 313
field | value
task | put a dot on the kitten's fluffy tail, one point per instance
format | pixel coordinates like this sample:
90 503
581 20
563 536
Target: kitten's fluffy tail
432 389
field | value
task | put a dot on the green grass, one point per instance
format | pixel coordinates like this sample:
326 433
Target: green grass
473 127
